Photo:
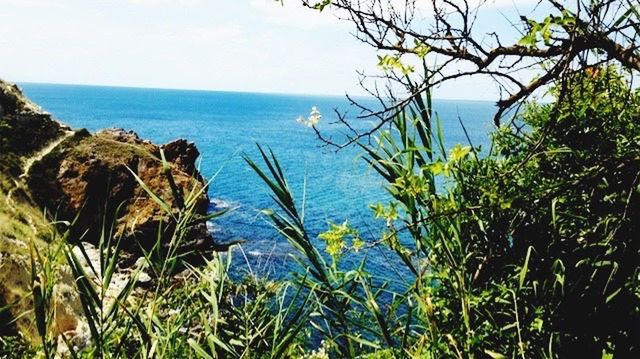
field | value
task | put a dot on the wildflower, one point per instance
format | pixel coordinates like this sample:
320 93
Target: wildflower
314 118
335 238
458 152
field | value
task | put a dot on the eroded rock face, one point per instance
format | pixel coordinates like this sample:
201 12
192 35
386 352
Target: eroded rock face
24 130
89 175
85 177
184 154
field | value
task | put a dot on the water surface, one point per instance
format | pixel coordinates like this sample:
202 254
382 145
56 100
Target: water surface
224 125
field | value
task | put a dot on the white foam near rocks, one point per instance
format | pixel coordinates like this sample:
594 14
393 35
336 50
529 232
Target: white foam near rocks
220 204
213 228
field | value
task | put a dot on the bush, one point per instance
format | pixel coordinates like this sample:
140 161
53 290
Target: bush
526 251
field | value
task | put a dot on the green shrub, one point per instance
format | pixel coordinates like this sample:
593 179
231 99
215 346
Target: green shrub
526 251
15 347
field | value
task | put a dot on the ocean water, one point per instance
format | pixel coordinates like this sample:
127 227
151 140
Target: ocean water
225 125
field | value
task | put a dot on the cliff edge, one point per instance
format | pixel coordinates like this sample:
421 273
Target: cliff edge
50 173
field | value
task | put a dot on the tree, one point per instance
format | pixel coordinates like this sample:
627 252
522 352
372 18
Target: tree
439 37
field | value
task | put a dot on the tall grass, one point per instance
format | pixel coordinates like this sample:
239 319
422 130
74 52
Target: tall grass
189 311
356 312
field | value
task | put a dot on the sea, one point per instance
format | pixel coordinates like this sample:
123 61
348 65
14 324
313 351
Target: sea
337 185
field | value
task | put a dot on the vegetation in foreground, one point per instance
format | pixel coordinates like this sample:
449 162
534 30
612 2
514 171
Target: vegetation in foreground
525 249
539 261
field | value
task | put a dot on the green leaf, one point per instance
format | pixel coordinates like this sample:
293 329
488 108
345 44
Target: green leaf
421 49
525 268
494 355
198 349
321 5
458 152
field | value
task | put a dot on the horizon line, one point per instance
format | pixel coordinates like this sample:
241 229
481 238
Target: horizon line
143 87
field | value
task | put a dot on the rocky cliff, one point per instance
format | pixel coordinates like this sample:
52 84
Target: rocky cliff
49 172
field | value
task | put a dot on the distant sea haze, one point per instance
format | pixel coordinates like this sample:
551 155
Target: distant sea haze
224 125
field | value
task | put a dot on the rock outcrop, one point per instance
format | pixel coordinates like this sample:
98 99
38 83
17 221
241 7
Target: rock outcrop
92 181
24 129
13 102
89 176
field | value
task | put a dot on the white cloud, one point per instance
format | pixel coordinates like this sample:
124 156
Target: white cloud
4 4
224 32
293 14
164 2
255 45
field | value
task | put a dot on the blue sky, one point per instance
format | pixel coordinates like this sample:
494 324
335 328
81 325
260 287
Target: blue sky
235 45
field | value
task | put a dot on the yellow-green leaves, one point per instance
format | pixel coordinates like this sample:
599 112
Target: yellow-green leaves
440 167
322 4
421 49
337 236
410 184
494 355
393 63
357 244
389 213
459 152
544 30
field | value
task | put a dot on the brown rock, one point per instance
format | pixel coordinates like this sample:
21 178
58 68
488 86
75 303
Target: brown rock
90 174
182 153
12 101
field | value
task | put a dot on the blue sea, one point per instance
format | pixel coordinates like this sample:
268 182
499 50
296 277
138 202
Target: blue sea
226 125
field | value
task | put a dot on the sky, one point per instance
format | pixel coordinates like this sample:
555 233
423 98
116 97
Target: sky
228 45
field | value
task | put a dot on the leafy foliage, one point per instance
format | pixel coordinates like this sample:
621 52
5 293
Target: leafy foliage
526 251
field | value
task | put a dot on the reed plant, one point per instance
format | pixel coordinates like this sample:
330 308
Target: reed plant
523 250
189 311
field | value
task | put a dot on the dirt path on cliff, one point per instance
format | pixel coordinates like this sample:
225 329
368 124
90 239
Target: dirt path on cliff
43 152
27 166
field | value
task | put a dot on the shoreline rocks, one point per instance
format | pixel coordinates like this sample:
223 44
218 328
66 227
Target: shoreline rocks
92 177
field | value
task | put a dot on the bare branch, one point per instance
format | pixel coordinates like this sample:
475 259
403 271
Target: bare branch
581 33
